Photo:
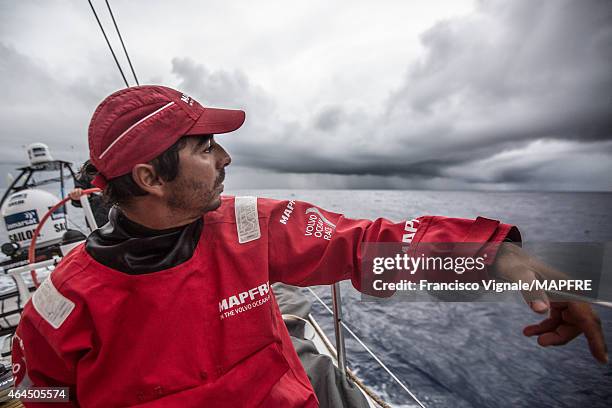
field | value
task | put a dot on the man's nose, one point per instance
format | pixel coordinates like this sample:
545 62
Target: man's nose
225 159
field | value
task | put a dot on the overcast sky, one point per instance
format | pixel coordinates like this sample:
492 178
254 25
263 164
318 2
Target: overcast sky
455 94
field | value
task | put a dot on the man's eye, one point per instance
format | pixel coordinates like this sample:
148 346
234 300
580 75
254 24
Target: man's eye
209 148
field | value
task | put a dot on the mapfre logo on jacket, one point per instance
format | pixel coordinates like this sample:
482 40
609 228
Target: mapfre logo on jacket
244 301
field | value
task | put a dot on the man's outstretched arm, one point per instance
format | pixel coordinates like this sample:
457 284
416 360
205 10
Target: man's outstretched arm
311 246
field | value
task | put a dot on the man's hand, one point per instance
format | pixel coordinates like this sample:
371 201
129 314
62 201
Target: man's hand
76 194
567 320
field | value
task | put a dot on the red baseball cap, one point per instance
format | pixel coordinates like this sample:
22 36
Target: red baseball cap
135 125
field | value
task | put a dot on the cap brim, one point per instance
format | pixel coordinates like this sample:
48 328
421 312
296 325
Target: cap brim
215 121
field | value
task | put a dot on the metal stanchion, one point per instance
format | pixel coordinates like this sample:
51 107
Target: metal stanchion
337 303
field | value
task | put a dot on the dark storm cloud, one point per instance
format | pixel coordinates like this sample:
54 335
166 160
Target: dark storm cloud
514 73
545 63
498 81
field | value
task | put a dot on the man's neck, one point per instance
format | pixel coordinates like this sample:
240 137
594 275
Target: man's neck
155 217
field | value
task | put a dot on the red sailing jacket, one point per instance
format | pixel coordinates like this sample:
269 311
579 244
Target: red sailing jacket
207 332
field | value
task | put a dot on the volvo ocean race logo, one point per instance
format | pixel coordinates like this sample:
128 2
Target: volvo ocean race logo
21 219
318 225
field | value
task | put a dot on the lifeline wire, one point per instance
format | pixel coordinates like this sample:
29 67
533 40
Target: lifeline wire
366 348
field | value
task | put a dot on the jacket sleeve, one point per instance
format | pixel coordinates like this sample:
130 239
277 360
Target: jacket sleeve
311 246
44 355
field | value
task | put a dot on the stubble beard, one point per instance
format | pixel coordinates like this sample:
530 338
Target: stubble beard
194 197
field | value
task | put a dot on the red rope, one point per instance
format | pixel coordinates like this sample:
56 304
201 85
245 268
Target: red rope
32 248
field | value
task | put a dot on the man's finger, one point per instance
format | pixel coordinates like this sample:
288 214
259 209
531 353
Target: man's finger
597 344
539 306
547 325
544 326
562 335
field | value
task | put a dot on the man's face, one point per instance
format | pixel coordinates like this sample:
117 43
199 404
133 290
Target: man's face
198 185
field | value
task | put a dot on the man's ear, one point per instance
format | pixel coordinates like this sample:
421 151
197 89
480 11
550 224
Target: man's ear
145 176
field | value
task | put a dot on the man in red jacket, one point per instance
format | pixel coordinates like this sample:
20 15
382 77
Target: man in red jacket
169 304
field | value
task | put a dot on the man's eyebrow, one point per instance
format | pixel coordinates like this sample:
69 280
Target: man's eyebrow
202 141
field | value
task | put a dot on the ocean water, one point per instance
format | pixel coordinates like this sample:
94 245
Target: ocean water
469 354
